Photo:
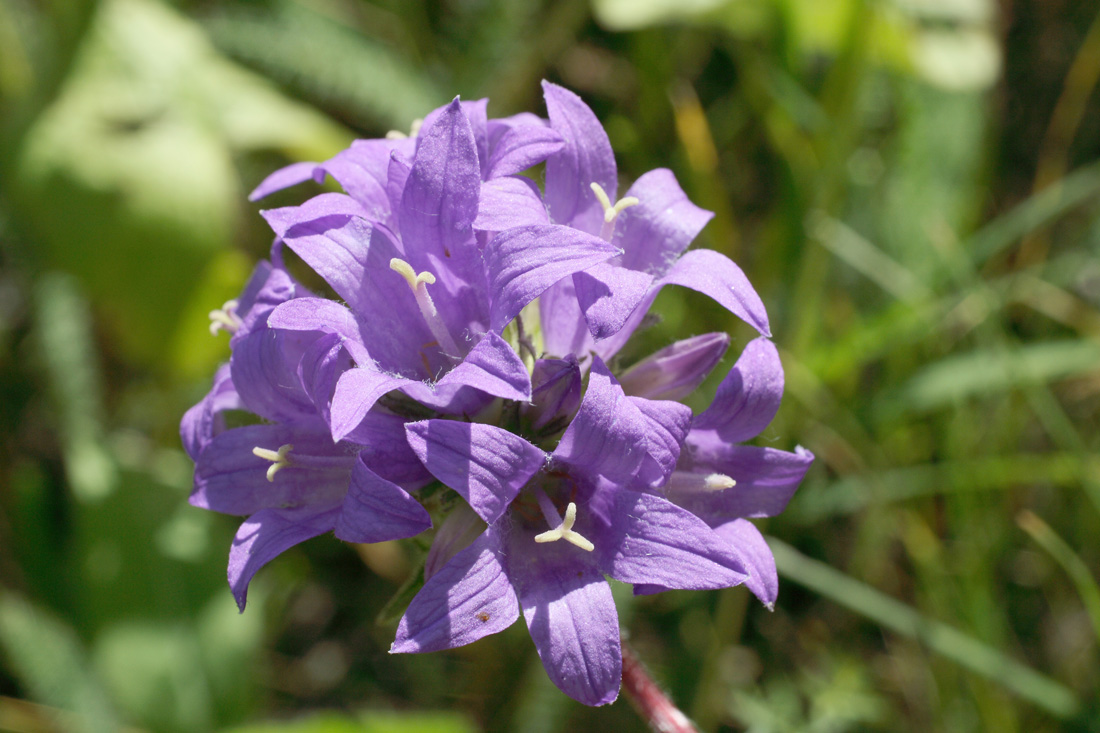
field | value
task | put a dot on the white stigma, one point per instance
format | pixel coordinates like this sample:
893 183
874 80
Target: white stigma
280 458
698 483
419 285
225 319
564 531
611 211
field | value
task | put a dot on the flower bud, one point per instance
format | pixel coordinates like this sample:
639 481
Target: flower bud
676 370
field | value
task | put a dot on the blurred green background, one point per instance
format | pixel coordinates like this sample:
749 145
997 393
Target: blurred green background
912 185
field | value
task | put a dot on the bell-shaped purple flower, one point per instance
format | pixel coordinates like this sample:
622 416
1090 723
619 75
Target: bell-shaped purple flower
558 523
427 299
287 476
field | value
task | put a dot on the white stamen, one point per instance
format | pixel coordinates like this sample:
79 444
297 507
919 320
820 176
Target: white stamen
698 483
280 458
564 531
414 130
225 318
419 285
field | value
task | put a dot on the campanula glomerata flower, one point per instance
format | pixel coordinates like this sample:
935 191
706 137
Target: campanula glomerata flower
470 349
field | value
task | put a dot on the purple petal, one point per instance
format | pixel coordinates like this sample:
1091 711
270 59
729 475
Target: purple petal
264 366
266 289
608 294
230 479
363 171
470 597
512 201
585 158
492 367
320 366
556 392
571 616
676 370
653 541
667 425
376 510
291 175
439 202
524 261
745 538
475 113
654 232
322 314
521 147
748 397
381 435
485 464
267 534
356 393
766 478
608 435
457 532
564 330
715 275
397 175
202 422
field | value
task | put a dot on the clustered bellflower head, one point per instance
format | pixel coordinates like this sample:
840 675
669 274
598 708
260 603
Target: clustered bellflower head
479 315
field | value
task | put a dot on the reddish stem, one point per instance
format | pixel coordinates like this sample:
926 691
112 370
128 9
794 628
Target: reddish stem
649 700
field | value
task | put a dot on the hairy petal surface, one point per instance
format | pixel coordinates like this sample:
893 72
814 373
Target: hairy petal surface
485 464
571 617
524 261
745 538
748 397
468 598
608 294
656 231
266 535
512 201
653 541
608 435
586 157
376 510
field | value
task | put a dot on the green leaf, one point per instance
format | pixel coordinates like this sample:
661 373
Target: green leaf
128 178
45 655
327 62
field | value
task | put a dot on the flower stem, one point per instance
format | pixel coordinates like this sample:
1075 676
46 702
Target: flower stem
652 704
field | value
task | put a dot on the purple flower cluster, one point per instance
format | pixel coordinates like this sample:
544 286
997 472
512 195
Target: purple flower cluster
479 314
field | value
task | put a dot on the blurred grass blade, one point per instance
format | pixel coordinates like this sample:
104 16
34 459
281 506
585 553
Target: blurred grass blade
326 62
864 257
992 371
45 655
65 337
1071 562
1039 210
1046 693
855 493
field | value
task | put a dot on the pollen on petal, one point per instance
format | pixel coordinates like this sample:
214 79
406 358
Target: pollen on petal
280 458
684 482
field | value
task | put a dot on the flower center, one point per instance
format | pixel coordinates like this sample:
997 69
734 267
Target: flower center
611 211
225 319
419 285
685 482
564 528
280 458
